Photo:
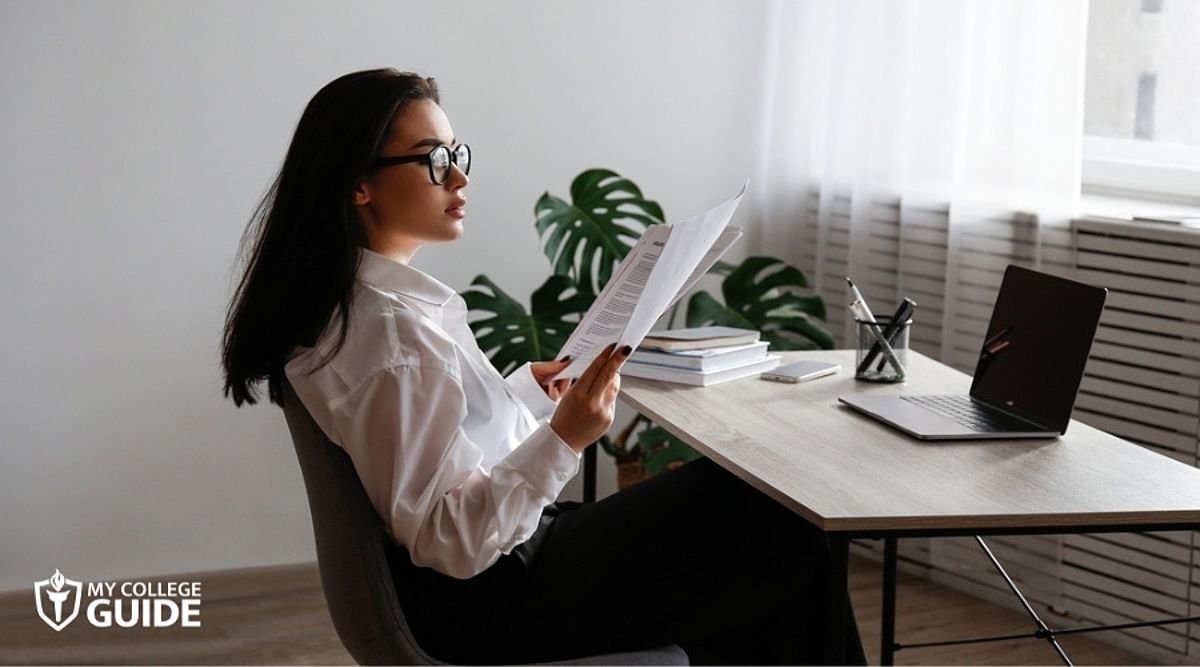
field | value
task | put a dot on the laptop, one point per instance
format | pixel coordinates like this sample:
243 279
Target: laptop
1029 369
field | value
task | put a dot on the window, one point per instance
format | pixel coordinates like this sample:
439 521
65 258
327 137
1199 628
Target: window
1142 100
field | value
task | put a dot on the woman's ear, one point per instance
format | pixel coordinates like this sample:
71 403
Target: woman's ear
361 194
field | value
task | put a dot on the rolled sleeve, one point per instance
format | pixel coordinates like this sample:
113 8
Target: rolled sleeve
522 383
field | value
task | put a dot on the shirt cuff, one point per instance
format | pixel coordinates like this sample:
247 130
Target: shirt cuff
545 461
522 383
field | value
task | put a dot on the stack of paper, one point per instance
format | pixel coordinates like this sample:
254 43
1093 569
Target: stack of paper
705 358
666 262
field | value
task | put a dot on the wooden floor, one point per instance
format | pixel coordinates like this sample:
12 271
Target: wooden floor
277 615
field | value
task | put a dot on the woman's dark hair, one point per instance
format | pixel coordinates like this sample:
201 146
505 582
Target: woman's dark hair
305 232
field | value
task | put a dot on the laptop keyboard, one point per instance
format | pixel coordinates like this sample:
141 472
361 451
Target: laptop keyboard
975 416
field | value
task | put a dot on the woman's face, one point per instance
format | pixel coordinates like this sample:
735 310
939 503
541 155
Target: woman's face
399 206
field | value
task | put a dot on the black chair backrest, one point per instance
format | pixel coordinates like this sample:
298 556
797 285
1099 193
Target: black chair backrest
352 549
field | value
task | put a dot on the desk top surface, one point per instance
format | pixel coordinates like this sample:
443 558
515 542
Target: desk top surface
847 472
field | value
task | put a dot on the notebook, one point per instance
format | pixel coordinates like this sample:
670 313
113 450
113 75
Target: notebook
1029 370
700 378
709 359
697 338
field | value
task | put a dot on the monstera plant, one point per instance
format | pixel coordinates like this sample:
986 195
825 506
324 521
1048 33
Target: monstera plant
585 240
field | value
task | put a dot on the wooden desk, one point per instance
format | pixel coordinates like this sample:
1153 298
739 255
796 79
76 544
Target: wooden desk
855 477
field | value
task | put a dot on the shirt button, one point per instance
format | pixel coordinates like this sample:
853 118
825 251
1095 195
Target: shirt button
562 476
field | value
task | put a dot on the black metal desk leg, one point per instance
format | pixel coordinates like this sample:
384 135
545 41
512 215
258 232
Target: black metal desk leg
589 474
887 641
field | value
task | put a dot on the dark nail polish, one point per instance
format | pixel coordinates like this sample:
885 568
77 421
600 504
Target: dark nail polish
626 350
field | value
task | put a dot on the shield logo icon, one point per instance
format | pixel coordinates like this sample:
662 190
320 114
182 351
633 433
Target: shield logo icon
58 590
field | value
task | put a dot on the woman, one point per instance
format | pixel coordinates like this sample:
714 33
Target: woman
464 465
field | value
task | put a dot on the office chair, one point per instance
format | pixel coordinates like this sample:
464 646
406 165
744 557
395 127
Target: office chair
352 555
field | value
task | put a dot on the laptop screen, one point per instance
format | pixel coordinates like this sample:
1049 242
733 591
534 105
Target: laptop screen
1037 345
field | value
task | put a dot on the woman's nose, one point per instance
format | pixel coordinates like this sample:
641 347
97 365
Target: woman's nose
458 180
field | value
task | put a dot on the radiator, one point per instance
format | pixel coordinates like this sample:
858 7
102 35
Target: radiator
1143 384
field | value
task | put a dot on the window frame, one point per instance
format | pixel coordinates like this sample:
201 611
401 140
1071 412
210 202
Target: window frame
1141 170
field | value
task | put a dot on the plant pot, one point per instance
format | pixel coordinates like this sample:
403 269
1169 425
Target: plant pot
629 474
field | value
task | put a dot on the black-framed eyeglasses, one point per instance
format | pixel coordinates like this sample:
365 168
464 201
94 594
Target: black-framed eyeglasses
440 160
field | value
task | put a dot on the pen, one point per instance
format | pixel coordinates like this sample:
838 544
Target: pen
862 311
858 304
903 312
899 319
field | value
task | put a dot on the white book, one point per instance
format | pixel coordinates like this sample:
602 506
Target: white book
699 378
707 359
698 338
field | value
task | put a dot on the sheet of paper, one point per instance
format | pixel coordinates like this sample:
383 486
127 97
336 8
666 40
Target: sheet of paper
667 261
724 241
604 322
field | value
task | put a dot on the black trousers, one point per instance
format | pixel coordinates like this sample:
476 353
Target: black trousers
693 557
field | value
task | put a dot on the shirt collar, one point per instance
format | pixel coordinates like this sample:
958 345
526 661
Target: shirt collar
392 276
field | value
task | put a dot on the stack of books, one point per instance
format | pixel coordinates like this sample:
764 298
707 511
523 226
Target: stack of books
700 356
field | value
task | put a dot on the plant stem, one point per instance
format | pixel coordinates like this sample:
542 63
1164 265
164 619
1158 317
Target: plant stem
625 453
606 444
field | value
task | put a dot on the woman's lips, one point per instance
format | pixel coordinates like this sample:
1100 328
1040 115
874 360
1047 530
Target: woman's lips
458 211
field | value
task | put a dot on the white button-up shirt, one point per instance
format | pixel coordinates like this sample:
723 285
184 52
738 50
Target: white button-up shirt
458 460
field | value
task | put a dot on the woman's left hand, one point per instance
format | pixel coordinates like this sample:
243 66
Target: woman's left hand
543 370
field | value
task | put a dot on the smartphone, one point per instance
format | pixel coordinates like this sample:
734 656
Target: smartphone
801 371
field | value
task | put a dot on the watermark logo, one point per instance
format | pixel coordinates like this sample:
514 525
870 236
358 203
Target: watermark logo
126 604
58 591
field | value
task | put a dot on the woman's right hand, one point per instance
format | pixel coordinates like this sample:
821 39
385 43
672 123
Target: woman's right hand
586 411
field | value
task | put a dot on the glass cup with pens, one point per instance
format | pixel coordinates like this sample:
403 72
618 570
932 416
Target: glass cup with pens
877 361
882 343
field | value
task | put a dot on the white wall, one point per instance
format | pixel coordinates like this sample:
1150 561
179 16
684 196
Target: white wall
137 136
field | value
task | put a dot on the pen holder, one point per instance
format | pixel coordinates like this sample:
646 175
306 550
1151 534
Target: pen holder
882 350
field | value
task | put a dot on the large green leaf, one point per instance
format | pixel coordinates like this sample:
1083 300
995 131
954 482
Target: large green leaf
512 336
587 230
761 293
660 449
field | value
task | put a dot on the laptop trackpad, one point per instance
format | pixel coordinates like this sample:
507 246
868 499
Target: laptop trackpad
911 419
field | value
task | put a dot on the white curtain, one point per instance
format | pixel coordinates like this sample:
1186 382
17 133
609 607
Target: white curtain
879 113
921 146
